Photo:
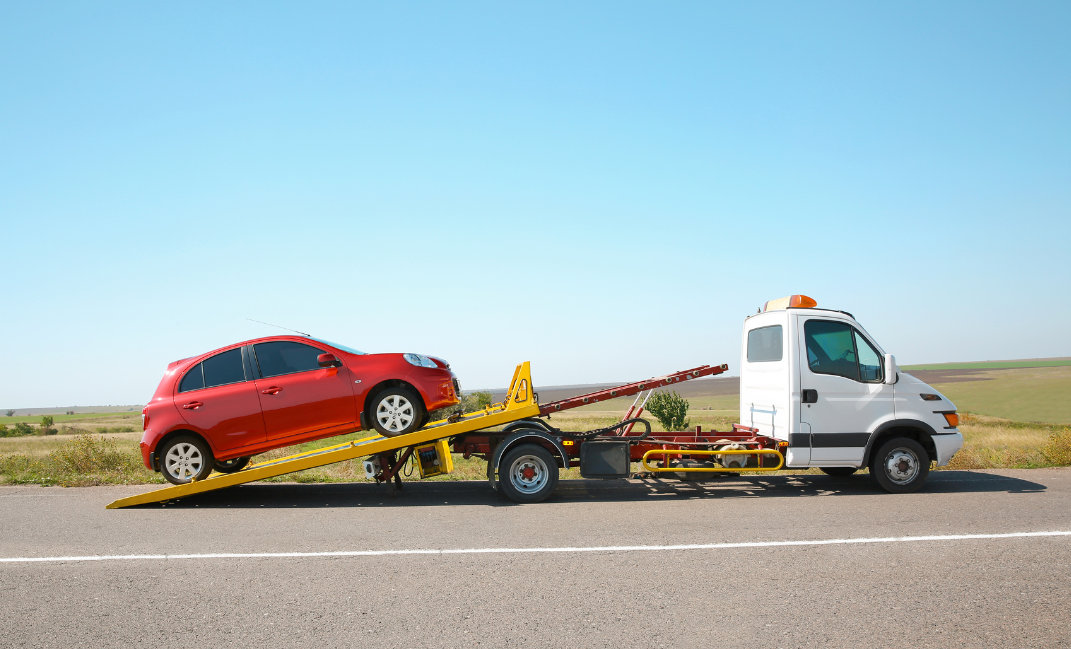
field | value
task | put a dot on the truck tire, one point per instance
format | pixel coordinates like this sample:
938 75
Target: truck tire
185 458
528 474
900 466
838 471
397 411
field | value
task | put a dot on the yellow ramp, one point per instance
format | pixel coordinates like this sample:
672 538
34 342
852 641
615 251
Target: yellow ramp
520 403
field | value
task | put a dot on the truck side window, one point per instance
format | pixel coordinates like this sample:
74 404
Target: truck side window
830 348
764 344
837 348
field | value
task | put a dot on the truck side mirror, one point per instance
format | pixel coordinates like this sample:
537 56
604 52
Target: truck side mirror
889 365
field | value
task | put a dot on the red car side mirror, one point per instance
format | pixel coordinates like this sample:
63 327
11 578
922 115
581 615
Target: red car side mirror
328 360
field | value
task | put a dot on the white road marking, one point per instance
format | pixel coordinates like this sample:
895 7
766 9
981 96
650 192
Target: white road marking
605 548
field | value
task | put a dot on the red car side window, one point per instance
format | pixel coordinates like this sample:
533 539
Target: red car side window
285 357
224 368
194 379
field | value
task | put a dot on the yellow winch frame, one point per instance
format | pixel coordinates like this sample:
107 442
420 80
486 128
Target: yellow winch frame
665 453
520 403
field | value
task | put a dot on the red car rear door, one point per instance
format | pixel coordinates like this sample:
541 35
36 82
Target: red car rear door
297 395
217 398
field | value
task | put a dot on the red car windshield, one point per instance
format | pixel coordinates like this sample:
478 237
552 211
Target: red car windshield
348 350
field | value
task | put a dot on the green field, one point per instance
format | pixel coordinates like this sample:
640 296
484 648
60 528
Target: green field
991 365
116 418
1011 418
1039 394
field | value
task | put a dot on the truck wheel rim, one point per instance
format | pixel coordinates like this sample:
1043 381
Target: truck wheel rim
395 413
529 474
183 461
902 466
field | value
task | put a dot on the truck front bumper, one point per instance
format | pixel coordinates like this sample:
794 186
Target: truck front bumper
947 444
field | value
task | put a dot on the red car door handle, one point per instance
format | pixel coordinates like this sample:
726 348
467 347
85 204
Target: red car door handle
272 390
193 405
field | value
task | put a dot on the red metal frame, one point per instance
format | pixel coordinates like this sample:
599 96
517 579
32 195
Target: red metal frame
630 389
482 444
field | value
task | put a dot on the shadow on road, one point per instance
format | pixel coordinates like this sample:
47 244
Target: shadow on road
428 494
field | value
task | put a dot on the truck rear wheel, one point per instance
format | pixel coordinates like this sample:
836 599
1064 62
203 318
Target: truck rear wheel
528 474
900 465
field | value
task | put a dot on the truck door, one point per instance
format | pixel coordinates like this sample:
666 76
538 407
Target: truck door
842 393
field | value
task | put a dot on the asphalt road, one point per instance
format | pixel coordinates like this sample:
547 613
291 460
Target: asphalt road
354 586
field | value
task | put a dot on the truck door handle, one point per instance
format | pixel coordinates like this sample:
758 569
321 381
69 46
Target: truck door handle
272 390
810 396
193 405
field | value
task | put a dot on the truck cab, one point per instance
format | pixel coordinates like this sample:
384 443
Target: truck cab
816 379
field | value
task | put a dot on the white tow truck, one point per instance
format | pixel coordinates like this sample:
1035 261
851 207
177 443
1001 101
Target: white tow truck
816 390
816 379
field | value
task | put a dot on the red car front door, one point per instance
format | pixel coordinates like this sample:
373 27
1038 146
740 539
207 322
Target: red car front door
298 396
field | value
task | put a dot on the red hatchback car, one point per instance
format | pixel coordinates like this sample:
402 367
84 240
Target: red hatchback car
215 410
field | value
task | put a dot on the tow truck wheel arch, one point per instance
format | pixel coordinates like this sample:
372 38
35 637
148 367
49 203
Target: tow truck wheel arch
909 428
526 431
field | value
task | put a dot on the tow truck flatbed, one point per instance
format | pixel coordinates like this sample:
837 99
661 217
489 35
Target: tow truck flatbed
520 403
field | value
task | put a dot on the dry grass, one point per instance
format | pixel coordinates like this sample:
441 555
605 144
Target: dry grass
78 461
993 443
89 456
35 446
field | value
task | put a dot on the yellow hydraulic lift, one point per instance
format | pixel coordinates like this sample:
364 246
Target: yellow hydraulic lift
520 403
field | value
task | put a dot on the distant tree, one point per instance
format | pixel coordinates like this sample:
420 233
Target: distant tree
10 413
46 426
22 428
671 410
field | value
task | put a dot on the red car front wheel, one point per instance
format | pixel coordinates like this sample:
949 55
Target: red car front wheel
397 411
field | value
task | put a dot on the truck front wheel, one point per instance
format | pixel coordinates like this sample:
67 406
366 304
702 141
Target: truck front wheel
528 474
900 465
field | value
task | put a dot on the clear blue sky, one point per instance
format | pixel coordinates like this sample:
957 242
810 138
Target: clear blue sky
605 189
